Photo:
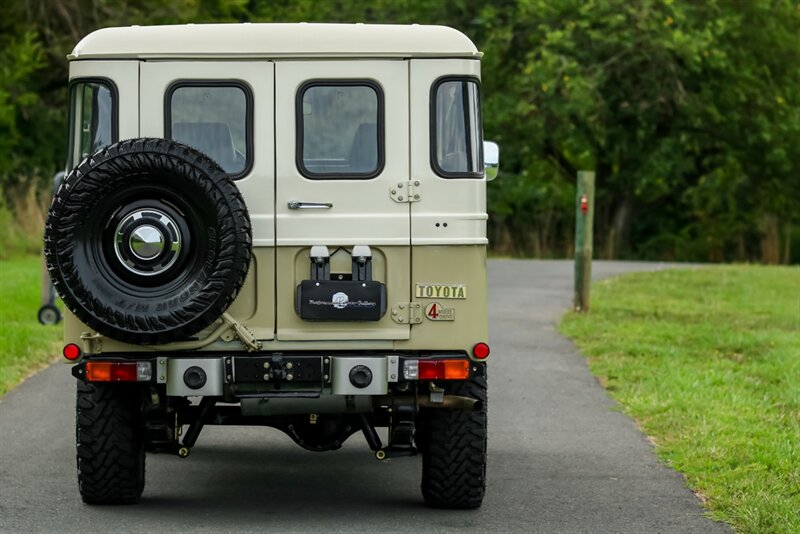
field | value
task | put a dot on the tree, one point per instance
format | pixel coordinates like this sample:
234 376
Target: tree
655 97
689 112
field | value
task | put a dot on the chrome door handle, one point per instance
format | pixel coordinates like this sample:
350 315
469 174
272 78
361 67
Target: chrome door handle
300 205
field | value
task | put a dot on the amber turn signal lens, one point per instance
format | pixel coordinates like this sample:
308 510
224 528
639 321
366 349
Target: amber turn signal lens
456 369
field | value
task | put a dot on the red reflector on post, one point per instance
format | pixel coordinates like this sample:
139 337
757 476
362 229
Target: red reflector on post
443 369
71 351
481 351
111 371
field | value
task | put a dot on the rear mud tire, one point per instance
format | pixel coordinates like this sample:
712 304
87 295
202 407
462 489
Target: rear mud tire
110 444
453 444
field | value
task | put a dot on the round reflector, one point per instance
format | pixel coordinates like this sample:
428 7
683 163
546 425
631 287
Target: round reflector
481 351
72 351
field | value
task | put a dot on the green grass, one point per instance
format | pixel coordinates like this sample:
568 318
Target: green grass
708 362
25 345
16 242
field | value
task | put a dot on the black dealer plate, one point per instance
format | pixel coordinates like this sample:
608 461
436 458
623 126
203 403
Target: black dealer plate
341 300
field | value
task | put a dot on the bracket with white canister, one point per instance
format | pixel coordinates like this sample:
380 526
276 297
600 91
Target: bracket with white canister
357 299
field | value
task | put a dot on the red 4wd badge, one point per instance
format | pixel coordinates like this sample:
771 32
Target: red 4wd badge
435 312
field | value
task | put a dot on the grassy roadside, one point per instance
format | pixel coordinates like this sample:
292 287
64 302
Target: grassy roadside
25 345
708 362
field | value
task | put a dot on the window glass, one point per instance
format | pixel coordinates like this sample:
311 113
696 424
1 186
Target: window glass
339 133
457 146
92 113
212 119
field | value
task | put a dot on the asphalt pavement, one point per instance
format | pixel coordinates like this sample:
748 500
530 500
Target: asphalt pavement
562 457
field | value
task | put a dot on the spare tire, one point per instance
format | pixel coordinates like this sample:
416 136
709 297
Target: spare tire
148 241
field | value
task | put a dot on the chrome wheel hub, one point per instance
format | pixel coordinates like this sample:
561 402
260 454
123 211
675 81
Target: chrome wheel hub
147 242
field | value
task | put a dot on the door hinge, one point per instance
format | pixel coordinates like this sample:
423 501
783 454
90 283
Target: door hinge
409 191
407 313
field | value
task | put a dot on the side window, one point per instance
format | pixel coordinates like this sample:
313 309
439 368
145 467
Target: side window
92 118
456 130
215 118
340 130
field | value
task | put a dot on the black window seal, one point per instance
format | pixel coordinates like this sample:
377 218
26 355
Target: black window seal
112 87
248 114
299 128
434 161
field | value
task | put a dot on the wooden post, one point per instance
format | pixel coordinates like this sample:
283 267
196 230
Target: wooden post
584 216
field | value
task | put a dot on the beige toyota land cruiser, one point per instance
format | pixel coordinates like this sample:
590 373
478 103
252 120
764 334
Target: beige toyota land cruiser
280 225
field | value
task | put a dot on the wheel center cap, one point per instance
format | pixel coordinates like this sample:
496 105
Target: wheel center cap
146 242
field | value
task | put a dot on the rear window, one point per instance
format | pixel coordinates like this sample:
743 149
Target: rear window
214 118
340 130
456 130
92 118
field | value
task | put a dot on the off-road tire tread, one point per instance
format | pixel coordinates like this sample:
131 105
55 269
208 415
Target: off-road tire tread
110 446
98 175
454 450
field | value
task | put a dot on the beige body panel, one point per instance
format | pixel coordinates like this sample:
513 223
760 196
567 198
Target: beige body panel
451 211
388 266
450 265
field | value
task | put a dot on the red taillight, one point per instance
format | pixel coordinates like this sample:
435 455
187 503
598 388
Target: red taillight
71 351
111 372
481 351
443 369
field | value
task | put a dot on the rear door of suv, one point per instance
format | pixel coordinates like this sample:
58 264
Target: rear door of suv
226 110
342 166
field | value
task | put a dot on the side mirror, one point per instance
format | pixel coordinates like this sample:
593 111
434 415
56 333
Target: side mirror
491 159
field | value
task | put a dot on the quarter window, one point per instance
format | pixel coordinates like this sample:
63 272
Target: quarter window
93 118
214 118
340 130
456 134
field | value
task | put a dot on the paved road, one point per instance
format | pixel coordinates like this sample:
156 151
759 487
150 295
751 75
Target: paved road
561 457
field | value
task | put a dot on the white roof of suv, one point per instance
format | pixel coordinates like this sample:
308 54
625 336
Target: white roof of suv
300 40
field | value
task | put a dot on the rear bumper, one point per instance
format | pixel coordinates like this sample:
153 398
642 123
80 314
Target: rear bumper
286 375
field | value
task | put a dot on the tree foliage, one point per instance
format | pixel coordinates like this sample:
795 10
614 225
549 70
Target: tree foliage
688 112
